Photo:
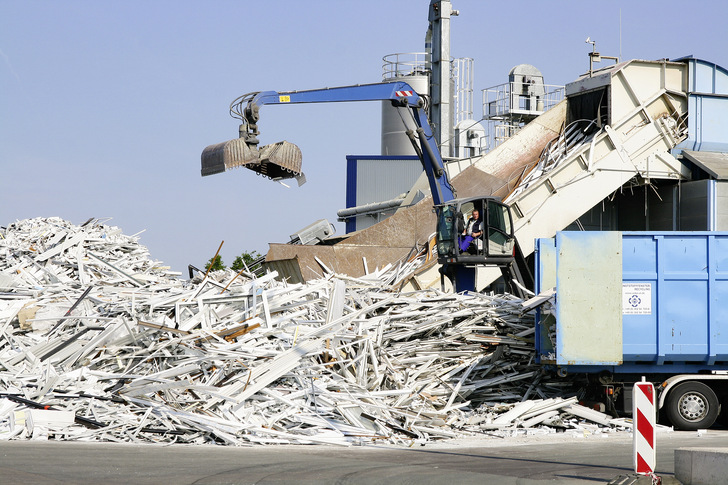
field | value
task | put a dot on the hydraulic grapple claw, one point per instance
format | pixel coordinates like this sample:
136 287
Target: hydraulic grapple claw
280 160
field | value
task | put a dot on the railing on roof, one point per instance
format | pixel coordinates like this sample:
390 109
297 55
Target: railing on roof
516 99
405 64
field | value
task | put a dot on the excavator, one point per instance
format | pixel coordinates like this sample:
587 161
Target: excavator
496 246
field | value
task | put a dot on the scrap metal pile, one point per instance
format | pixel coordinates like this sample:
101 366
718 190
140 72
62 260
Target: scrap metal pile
100 342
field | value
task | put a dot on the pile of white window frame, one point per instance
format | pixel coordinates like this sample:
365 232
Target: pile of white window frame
100 342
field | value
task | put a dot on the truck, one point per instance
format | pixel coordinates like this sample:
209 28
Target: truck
497 246
629 306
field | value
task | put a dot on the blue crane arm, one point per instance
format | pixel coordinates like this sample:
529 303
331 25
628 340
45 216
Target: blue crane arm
400 93
360 92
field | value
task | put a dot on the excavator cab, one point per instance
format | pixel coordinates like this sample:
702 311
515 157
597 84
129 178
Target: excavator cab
475 231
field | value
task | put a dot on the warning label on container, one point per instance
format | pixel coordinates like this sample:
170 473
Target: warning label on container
636 298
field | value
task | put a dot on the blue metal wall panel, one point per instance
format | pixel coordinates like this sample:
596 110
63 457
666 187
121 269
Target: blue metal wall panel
718 332
545 279
707 106
545 268
679 320
683 319
689 297
351 176
710 125
640 265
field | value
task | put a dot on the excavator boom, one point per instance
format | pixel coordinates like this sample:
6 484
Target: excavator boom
284 159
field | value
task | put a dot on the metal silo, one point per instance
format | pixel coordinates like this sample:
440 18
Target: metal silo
412 68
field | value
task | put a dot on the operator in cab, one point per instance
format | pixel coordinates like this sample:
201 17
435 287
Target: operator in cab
471 239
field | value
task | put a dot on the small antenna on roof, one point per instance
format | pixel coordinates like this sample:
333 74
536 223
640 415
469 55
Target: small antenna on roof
594 56
620 35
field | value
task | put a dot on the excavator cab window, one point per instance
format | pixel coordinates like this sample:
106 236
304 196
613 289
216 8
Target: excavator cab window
447 225
500 230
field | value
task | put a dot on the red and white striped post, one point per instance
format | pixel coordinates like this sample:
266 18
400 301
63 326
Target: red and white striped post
643 419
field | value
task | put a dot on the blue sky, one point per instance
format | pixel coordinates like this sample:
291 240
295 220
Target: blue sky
105 107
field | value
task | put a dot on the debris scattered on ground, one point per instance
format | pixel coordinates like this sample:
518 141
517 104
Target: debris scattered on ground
100 342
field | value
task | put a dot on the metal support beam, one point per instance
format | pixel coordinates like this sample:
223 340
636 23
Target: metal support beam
441 110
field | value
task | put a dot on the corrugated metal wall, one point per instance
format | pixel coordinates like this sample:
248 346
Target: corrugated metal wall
376 179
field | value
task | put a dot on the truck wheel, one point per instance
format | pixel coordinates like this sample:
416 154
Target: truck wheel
692 405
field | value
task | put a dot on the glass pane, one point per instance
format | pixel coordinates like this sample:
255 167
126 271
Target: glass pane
499 241
506 219
445 231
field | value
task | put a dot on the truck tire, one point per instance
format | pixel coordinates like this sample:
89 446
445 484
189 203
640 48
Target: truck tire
692 405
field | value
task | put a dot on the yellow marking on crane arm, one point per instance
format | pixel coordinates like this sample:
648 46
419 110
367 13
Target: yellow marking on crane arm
284 99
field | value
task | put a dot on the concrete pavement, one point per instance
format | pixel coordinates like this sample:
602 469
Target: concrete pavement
535 460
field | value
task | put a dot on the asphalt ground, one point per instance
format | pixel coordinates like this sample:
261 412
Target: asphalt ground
568 458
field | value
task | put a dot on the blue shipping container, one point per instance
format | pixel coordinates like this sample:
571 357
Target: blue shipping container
634 301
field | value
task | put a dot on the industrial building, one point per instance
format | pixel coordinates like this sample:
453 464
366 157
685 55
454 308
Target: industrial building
633 145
